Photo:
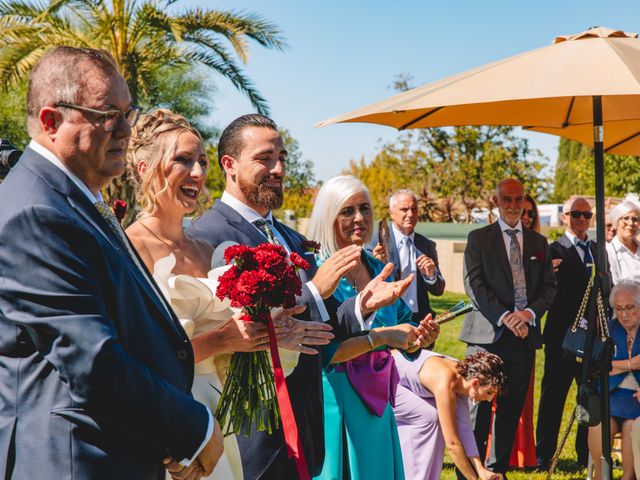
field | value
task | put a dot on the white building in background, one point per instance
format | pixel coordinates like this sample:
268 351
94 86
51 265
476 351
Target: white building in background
550 214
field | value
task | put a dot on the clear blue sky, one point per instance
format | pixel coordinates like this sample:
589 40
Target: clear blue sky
345 54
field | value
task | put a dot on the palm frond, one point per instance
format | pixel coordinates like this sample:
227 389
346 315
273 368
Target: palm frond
227 67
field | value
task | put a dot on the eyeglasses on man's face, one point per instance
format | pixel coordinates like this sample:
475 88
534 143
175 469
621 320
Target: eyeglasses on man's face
530 213
110 120
578 213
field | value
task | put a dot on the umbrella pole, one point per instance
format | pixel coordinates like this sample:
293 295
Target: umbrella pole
602 281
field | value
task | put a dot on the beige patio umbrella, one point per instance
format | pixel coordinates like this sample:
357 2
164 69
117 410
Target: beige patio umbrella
585 87
549 90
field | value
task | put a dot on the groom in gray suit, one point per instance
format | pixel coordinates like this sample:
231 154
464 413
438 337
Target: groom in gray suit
509 279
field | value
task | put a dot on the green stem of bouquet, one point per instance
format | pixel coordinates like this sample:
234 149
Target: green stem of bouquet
249 393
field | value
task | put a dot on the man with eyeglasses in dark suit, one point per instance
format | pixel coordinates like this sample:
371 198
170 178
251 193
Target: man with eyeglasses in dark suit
577 253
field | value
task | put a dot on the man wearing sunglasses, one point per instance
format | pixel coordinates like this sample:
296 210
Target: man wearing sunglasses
95 369
576 252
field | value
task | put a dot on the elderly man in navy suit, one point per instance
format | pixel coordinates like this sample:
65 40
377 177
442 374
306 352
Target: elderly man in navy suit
509 279
576 252
252 155
95 369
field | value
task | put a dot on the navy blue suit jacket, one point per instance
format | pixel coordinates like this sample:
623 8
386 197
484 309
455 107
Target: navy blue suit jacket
262 452
95 373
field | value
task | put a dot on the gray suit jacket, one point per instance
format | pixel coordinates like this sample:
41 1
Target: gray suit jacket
489 283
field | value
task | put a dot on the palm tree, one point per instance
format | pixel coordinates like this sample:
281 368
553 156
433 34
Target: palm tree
147 41
142 36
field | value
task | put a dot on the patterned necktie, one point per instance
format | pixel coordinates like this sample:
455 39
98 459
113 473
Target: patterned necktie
587 259
109 216
517 271
267 230
405 257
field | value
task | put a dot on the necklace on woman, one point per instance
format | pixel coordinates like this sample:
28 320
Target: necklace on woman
175 249
351 278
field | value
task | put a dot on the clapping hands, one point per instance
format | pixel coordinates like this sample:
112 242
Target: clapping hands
380 293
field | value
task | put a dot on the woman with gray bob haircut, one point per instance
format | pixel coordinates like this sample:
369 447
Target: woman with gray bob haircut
624 258
359 374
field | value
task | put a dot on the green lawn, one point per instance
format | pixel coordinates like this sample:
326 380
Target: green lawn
449 344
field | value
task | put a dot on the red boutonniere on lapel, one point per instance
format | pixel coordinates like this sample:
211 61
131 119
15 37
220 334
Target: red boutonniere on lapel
537 257
120 209
309 246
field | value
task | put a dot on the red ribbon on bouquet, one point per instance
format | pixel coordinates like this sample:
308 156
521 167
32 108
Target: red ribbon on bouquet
289 426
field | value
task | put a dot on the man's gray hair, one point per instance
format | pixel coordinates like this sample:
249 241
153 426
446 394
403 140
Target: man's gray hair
626 285
61 76
566 208
394 197
332 196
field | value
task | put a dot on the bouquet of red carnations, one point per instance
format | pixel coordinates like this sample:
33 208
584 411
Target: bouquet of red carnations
260 278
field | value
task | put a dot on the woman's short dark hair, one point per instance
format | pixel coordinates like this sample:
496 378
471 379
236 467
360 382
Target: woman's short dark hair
486 367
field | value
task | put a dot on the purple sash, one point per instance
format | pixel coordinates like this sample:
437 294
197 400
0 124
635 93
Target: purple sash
374 376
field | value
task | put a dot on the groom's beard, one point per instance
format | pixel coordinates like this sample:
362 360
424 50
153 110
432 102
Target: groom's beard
261 194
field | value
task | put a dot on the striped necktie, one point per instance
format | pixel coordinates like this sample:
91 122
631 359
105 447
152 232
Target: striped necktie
109 216
267 230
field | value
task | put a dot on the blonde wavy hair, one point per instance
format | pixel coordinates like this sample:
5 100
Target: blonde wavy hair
154 141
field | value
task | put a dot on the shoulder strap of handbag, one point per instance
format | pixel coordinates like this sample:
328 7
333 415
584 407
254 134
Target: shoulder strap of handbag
583 306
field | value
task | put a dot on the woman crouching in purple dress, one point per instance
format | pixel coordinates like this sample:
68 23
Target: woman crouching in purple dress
432 410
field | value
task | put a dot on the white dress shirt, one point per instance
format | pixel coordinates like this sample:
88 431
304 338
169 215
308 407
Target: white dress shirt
36 147
574 241
507 245
622 261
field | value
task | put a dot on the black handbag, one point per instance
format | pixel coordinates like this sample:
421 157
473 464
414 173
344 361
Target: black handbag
575 340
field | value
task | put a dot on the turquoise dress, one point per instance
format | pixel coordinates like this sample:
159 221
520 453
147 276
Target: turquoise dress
359 445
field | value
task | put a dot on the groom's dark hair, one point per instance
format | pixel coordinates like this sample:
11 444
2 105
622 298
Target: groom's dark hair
231 143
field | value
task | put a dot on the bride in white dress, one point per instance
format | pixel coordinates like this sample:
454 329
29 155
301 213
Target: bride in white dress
169 163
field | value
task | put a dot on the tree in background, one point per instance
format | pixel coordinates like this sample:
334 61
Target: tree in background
145 39
13 115
458 168
453 170
575 172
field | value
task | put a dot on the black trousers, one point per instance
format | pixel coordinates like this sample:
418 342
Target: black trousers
518 359
559 372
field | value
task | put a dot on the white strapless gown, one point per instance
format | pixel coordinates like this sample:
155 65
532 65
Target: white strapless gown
196 305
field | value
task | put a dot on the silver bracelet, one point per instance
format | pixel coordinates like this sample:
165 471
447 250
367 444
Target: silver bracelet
370 340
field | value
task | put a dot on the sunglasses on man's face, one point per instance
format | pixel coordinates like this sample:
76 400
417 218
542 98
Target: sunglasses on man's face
577 213
530 213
